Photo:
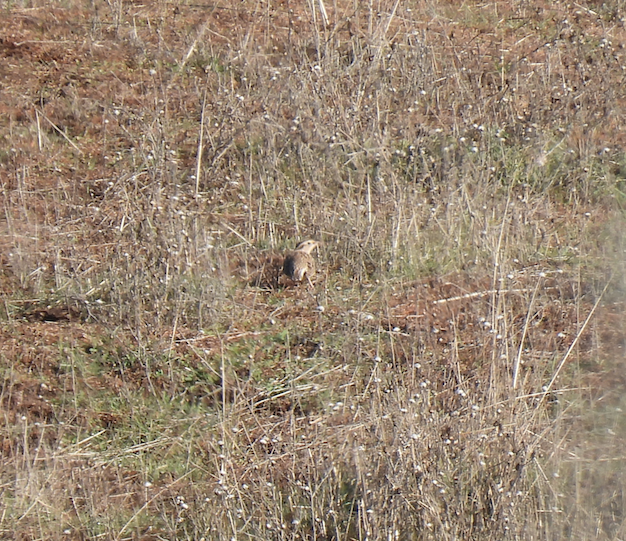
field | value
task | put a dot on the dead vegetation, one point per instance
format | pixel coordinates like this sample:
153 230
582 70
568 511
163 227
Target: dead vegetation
457 368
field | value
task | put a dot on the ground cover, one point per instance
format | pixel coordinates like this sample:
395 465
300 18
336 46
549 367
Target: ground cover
457 368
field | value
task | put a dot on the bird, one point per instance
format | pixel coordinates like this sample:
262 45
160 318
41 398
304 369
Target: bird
300 262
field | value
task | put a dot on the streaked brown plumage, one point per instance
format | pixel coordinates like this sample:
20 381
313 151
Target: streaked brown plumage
300 262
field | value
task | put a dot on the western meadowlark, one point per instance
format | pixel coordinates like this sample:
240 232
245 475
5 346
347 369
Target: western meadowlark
300 262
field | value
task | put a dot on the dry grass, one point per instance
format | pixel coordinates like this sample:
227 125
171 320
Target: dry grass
455 372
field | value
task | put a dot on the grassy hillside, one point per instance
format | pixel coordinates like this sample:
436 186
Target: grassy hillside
457 369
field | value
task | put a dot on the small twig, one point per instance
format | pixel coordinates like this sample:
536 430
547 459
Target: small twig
524 332
369 200
200 143
496 263
323 13
573 345
58 130
83 441
483 294
39 138
283 393
192 49
237 233
383 37
42 41
391 17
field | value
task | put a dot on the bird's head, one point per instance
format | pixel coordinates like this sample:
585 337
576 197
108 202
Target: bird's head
307 246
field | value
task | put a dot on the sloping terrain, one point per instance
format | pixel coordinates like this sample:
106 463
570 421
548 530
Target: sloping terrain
456 370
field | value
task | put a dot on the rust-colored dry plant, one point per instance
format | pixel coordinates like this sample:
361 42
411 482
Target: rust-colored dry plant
456 370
